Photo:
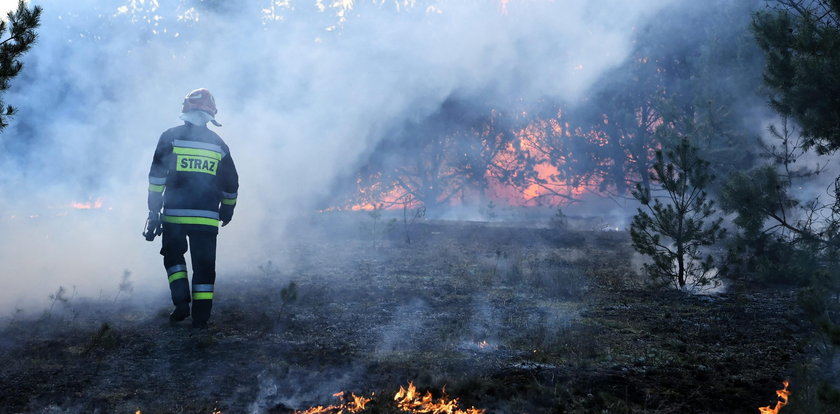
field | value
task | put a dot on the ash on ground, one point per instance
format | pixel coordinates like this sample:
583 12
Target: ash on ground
505 318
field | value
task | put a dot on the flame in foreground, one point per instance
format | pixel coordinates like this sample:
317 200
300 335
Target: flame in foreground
783 395
354 404
407 399
411 401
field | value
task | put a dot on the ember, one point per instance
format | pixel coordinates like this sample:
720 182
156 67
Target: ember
783 395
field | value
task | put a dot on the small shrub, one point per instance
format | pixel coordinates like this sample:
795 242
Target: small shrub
269 269
489 211
288 295
104 338
559 221
125 285
60 296
765 258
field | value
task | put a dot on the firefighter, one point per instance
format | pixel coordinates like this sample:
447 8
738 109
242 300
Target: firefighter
194 182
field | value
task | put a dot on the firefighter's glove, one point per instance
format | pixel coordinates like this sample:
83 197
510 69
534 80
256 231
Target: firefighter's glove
153 226
225 214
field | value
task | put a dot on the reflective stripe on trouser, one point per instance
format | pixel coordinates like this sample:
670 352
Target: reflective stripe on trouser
202 247
202 292
179 285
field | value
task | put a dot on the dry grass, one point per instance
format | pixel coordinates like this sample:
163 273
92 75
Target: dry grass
509 319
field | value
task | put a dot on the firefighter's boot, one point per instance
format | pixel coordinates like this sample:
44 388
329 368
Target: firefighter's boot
179 286
179 314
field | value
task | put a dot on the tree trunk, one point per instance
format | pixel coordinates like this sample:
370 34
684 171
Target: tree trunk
681 267
642 141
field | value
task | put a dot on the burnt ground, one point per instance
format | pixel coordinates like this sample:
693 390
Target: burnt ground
508 319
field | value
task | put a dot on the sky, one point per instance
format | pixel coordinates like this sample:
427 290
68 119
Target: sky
304 95
7 5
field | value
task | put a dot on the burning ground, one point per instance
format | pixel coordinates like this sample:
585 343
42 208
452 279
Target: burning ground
505 318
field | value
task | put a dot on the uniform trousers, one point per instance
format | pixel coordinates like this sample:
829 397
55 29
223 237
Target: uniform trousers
202 248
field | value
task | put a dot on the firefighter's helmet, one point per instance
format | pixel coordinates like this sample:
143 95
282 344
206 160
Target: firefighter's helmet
200 99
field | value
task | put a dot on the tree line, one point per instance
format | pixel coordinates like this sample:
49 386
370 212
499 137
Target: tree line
677 81
781 236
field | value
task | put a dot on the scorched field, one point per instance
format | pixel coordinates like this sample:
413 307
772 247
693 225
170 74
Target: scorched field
466 318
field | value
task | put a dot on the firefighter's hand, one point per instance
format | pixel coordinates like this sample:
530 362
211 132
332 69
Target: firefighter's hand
225 214
153 226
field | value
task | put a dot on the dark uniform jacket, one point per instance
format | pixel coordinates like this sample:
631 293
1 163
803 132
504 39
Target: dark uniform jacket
193 178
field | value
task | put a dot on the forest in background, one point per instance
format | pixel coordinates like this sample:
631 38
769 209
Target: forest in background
721 121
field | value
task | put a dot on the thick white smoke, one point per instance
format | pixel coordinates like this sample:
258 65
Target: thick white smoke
303 94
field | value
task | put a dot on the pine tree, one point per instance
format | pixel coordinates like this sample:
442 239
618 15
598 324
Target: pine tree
674 231
21 25
801 41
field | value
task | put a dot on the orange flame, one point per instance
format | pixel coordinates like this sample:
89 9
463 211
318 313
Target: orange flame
783 395
354 404
88 205
540 167
408 399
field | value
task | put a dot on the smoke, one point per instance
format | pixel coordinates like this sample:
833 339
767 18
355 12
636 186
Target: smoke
305 92
301 387
401 333
813 175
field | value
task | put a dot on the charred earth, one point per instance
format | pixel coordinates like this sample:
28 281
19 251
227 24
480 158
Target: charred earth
507 318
